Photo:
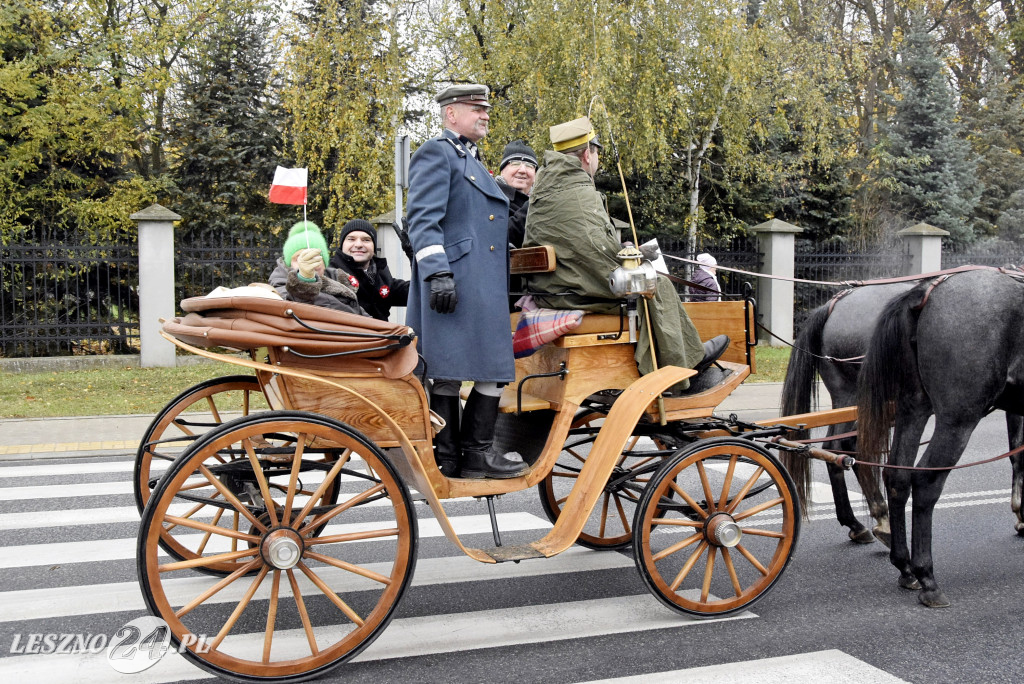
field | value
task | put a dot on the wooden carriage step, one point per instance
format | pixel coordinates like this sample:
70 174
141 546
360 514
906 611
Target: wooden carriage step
516 552
507 404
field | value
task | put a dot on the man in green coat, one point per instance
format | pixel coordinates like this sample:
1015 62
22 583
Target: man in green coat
567 212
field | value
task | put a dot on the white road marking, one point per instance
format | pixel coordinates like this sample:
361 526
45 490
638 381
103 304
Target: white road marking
37 604
66 553
831 666
405 638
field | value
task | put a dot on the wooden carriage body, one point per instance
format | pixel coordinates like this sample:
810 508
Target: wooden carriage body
340 384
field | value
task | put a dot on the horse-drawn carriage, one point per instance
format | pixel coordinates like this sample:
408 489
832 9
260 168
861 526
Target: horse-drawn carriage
277 544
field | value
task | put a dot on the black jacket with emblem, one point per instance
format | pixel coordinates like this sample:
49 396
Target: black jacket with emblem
377 289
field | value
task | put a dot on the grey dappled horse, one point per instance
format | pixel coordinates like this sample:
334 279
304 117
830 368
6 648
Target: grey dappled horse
842 333
954 351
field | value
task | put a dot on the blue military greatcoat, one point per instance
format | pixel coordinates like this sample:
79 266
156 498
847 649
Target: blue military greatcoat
458 222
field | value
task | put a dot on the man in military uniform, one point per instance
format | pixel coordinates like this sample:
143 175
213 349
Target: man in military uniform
458 225
568 213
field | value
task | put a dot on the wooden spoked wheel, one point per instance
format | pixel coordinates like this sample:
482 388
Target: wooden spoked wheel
610 526
716 527
189 415
298 602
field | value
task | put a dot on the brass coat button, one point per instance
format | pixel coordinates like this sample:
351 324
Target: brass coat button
491 217
492 248
472 178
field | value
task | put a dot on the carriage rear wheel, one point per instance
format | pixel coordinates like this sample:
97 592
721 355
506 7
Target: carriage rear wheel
189 415
610 526
716 527
315 582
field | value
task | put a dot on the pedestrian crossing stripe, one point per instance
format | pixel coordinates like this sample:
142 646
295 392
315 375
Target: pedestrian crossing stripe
408 637
831 666
67 553
62 602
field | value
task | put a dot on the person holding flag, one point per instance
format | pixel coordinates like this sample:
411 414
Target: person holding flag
301 275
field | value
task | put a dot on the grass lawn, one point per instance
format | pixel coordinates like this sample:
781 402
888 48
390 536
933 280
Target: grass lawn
129 390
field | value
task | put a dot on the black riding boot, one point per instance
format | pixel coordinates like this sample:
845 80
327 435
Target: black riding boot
447 448
479 459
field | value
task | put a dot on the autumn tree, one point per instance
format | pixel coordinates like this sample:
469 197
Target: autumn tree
344 94
62 134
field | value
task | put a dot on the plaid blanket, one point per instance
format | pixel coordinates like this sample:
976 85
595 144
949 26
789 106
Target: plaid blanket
539 326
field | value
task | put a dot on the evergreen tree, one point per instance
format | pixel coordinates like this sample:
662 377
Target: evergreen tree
226 134
996 122
934 171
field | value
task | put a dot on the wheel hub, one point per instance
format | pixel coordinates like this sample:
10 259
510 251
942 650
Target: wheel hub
721 530
282 548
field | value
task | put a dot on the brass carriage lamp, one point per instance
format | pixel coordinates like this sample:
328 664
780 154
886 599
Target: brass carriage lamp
636 277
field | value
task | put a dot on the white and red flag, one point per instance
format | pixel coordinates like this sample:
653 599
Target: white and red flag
289 186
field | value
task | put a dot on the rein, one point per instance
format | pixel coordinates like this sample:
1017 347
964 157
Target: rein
888 466
1012 270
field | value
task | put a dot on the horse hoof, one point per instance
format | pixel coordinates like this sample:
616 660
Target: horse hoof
1019 526
910 583
933 599
884 537
862 536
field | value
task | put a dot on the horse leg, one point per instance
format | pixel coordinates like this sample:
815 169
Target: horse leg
947 444
876 502
906 440
844 511
840 494
1015 432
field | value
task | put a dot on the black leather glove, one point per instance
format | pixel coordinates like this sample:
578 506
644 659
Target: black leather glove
402 231
443 297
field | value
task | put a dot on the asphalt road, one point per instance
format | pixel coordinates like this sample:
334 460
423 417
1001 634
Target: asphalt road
68 526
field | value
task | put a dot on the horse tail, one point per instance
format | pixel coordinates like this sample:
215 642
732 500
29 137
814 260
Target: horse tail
889 374
800 392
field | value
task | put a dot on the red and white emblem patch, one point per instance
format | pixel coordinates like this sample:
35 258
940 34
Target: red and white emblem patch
353 281
384 291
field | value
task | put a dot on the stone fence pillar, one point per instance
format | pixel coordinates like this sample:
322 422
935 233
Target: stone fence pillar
776 240
925 247
156 283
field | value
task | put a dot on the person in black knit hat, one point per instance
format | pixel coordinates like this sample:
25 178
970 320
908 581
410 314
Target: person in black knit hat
516 173
376 289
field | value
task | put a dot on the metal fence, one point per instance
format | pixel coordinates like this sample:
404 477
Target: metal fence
60 299
989 253
68 299
841 262
739 252
232 263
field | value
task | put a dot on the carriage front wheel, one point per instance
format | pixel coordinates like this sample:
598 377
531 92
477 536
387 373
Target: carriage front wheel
316 580
716 527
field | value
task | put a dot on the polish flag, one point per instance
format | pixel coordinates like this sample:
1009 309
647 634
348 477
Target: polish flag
289 186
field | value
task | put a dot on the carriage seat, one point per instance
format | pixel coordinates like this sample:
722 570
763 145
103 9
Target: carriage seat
301 335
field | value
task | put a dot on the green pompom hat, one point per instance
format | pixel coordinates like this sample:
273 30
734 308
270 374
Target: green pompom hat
302 235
